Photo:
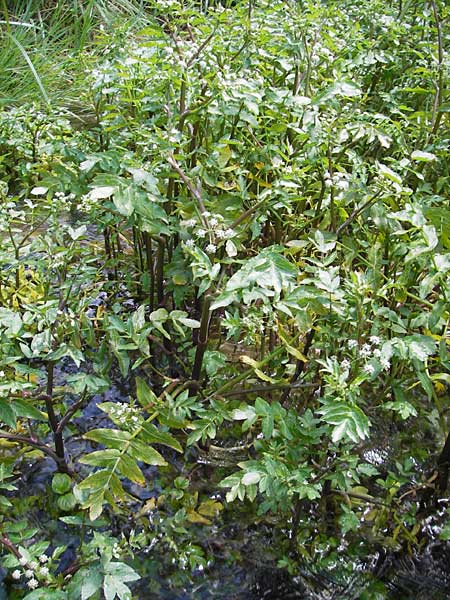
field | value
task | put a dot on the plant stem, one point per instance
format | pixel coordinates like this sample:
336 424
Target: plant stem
202 340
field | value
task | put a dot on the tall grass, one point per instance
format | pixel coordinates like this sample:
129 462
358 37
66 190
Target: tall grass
42 41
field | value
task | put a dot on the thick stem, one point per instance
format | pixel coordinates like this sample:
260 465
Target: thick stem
150 270
160 272
202 339
437 115
300 366
443 464
57 433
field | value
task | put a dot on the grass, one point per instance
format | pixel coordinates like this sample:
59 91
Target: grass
42 43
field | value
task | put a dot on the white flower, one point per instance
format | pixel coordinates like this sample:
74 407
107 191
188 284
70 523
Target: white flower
369 369
206 214
352 344
44 571
210 248
385 364
345 364
16 574
191 223
189 243
23 561
33 565
220 234
29 573
229 233
201 233
374 339
213 222
43 558
365 351
377 353
276 162
33 584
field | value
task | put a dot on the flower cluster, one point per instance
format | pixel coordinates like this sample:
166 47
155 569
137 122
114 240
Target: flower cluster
372 353
339 181
64 200
214 230
33 571
126 416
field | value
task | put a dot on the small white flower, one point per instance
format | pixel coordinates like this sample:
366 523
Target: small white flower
189 243
29 573
23 561
16 574
276 162
365 351
345 364
369 369
210 248
191 223
377 353
374 339
220 234
229 233
33 565
385 364
201 233
352 344
44 571
206 214
213 222
33 584
43 558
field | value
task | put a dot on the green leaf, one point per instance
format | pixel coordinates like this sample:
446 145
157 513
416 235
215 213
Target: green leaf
92 582
23 408
67 502
153 435
349 421
7 414
61 483
251 478
423 156
124 201
388 173
102 192
102 458
111 438
349 521
145 395
147 454
115 576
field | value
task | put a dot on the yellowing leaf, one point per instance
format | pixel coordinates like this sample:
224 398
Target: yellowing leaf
210 508
194 517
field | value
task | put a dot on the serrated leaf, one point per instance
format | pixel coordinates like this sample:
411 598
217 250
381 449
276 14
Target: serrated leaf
153 435
147 454
111 438
7 414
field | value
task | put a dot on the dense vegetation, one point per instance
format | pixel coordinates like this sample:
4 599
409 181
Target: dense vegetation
224 289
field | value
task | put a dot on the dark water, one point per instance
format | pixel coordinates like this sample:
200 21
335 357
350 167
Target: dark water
372 573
